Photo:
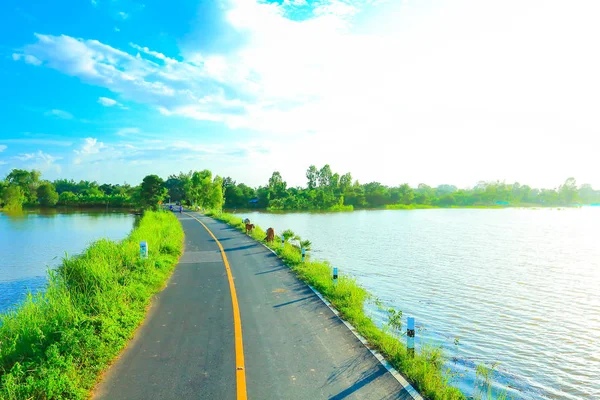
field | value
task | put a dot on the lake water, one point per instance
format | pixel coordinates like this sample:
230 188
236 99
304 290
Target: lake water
520 287
30 242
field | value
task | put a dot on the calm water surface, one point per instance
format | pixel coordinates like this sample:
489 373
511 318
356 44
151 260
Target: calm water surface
30 242
520 287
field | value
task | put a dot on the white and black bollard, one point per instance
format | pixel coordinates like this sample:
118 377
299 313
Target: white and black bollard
282 241
410 336
303 254
335 275
143 249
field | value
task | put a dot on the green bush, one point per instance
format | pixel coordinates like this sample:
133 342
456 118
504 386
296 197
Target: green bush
56 343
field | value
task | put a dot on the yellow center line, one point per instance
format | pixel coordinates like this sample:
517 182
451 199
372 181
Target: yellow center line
240 370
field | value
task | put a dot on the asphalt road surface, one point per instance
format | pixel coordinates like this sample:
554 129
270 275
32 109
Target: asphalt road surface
294 347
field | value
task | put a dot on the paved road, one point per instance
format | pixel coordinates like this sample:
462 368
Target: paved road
294 346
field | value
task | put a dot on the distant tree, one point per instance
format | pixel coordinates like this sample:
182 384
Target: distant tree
407 194
216 199
277 185
152 191
67 199
588 195
312 174
567 192
28 181
345 182
325 176
46 194
13 197
445 189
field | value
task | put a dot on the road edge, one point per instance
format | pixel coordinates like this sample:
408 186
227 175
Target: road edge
413 393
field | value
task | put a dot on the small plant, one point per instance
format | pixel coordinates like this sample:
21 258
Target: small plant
306 245
483 382
287 234
395 321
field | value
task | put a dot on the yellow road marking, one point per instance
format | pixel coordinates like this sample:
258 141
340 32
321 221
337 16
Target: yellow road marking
240 370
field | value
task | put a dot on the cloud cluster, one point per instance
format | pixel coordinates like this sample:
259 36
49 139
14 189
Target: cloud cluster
59 114
410 77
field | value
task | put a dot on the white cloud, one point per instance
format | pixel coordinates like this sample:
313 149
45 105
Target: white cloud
59 114
90 146
38 141
127 131
123 15
29 59
117 29
105 101
435 81
2 147
40 160
94 2
153 53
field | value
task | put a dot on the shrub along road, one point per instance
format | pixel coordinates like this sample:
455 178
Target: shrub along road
294 347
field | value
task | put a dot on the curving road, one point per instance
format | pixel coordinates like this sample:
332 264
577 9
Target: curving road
294 347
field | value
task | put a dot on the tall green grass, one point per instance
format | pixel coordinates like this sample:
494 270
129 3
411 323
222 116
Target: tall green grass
424 369
56 344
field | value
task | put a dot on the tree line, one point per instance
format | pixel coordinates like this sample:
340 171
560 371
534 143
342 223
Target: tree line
324 190
23 188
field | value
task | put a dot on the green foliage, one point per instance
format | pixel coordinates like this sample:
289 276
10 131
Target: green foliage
56 343
328 191
13 197
28 181
288 234
395 321
424 369
46 194
152 192
305 244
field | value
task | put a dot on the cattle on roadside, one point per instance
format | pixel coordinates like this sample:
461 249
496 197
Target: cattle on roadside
270 235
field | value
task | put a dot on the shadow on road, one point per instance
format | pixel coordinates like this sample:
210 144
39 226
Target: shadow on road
271 270
293 301
359 384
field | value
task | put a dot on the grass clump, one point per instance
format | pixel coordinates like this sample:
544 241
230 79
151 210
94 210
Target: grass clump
56 343
424 369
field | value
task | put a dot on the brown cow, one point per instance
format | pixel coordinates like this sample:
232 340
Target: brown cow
249 228
270 235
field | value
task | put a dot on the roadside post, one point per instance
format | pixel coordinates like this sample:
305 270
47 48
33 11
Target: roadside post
303 253
282 241
335 275
410 336
144 249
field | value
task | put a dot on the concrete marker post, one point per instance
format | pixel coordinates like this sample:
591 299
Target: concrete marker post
335 275
410 336
144 249
282 241
303 254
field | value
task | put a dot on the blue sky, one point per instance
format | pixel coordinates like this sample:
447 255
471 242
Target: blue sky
393 91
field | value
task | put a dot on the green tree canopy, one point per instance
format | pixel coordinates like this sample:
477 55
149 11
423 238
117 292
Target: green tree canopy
152 192
46 194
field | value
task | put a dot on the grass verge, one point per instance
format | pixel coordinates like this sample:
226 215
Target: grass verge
56 343
424 369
